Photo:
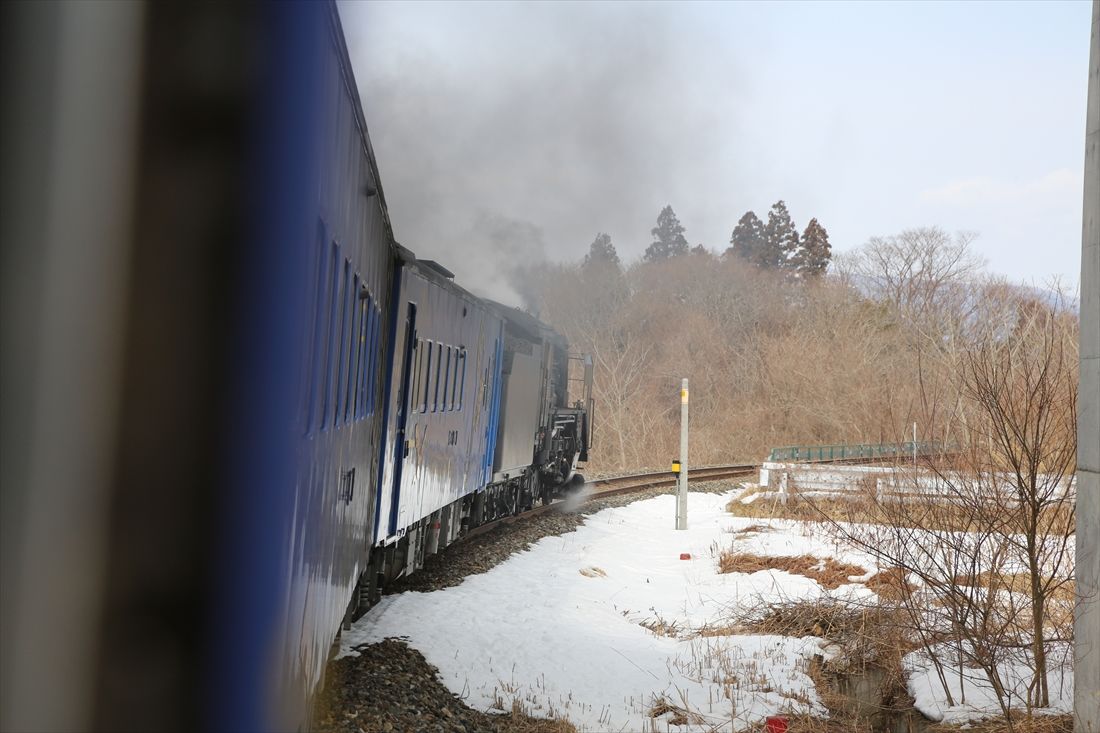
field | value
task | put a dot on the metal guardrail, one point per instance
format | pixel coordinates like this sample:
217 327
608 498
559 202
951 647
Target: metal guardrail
842 452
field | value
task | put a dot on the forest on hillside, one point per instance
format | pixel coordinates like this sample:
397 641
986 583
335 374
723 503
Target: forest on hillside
784 344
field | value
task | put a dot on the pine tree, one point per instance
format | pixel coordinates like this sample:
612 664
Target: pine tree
814 252
747 239
668 237
780 238
602 250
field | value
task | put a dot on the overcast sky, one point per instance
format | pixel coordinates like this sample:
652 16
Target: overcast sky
508 133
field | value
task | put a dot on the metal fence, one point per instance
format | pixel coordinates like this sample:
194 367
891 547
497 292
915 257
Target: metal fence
839 452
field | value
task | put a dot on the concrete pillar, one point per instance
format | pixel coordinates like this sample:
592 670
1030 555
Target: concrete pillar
1086 699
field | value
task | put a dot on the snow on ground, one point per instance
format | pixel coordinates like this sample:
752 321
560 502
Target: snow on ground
973 695
570 643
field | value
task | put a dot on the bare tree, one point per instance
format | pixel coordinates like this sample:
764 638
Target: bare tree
1024 388
915 269
989 530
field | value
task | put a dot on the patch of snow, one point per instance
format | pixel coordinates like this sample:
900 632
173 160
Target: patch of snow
973 694
538 630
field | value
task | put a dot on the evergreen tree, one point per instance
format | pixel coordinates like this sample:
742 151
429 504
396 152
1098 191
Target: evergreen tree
668 237
780 238
814 252
699 249
602 250
747 239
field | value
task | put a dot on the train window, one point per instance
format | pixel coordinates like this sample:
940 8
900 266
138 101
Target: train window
360 406
446 404
452 362
375 358
454 380
462 380
438 364
427 374
366 390
320 325
341 387
414 386
368 356
452 394
355 341
330 338
417 374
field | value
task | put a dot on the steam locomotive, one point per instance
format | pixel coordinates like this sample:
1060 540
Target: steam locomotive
279 408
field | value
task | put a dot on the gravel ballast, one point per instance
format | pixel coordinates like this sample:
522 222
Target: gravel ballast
390 688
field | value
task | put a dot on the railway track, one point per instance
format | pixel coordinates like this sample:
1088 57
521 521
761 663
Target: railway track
627 484
658 479
636 482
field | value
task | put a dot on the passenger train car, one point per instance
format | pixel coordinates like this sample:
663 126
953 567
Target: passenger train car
478 420
234 406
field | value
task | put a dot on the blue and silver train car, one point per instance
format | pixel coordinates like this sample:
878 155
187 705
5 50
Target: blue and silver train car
341 393
441 414
477 424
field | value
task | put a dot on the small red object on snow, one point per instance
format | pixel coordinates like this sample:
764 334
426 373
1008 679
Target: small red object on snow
776 724
685 555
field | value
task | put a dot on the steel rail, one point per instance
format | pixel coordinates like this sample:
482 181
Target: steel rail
625 484
637 482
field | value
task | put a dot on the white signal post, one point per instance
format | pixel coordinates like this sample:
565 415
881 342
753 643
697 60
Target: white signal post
682 494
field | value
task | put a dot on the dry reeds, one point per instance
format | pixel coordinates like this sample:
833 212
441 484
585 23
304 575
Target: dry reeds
827 572
890 584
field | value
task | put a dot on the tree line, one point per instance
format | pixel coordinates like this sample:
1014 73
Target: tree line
776 359
772 245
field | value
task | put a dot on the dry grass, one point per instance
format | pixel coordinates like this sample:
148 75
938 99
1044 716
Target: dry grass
751 529
794 509
827 572
831 619
593 572
890 584
861 509
660 627
680 715
518 721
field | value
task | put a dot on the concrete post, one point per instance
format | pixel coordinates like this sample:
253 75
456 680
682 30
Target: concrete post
1086 698
682 493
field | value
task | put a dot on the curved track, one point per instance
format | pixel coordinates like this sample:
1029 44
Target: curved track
657 479
627 484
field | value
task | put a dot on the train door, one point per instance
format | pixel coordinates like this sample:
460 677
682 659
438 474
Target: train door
401 442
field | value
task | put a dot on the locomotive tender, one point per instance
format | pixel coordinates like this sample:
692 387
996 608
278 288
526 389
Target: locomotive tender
253 407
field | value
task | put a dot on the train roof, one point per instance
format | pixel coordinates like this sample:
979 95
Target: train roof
518 321
526 324
348 76
434 272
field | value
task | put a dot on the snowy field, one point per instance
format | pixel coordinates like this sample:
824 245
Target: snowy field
596 625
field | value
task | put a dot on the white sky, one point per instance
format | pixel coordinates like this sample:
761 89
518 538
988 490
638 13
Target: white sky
524 129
